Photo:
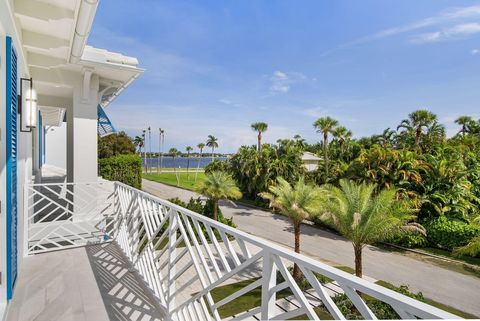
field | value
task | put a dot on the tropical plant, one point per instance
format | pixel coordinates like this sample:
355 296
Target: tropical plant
138 142
174 152
115 144
218 186
464 121
189 150
212 142
364 217
417 122
341 134
256 171
260 128
298 202
200 146
325 126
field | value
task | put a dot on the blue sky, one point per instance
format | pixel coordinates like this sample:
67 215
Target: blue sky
214 67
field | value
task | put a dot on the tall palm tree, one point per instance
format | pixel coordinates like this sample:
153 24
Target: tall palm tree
200 146
364 217
174 152
162 139
144 150
417 122
464 121
260 128
325 126
298 202
218 186
212 142
138 142
189 150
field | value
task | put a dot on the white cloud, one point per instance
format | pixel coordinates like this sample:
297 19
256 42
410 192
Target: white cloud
281 82
475 51
447 16
460 30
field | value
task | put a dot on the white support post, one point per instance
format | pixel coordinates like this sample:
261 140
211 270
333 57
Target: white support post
172 253
269 280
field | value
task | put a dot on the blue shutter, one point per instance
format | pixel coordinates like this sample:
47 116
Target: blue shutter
104 125
11 140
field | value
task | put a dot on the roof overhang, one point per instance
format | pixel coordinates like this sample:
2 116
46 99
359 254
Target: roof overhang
54 35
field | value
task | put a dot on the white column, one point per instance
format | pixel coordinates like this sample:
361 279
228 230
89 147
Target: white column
82 130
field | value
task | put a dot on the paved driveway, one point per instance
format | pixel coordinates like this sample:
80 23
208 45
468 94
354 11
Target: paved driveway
442 285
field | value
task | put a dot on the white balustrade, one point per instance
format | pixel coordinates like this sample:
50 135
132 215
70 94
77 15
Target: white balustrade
183 256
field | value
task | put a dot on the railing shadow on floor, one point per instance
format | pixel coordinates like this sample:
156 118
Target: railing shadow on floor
124 293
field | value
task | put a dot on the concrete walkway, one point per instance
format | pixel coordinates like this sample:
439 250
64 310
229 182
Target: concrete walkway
442 285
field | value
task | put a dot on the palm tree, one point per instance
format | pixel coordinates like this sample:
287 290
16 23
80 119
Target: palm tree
464 121
200 146
144 150
218 186
260 128
417 122
138 142
189 150
341 134
299 141
297 202
364 217
174 152
212 142
325 126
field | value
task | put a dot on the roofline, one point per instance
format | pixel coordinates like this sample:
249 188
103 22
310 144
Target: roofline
83 24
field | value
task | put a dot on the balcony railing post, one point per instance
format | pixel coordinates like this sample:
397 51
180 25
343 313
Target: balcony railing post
172 252
269 280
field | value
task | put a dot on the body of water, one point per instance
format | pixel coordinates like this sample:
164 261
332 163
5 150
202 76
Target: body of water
180 162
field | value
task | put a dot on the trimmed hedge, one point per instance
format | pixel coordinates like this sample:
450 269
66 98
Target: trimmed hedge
123 168
449 234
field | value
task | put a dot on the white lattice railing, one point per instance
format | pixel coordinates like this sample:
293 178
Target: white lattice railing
59 216
183 256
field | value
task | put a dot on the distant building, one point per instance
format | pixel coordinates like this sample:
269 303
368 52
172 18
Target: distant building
310 161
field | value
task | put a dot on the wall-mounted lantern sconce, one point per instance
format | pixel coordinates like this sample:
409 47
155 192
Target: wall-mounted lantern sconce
27 106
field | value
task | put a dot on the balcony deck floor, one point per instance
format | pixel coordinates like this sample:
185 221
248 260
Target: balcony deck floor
90 283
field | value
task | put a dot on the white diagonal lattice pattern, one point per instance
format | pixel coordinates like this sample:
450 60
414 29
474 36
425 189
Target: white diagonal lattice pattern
183 257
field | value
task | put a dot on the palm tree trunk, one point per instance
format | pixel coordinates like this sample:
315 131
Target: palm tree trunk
418 133
259 138
357 248
198 166
188 165
296 270
325 154
213 156
215 209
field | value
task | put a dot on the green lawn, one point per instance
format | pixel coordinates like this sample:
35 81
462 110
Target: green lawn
185 180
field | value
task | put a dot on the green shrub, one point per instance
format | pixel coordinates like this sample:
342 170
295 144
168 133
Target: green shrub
123 168
382 310
216 166
409 240
449 234
196 205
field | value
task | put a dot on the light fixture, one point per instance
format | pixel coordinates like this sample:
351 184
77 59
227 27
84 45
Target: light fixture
27 106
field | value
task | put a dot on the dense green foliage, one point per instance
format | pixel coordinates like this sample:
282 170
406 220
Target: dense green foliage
255 170
439 176
449 234
116 144
205 208
123 168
